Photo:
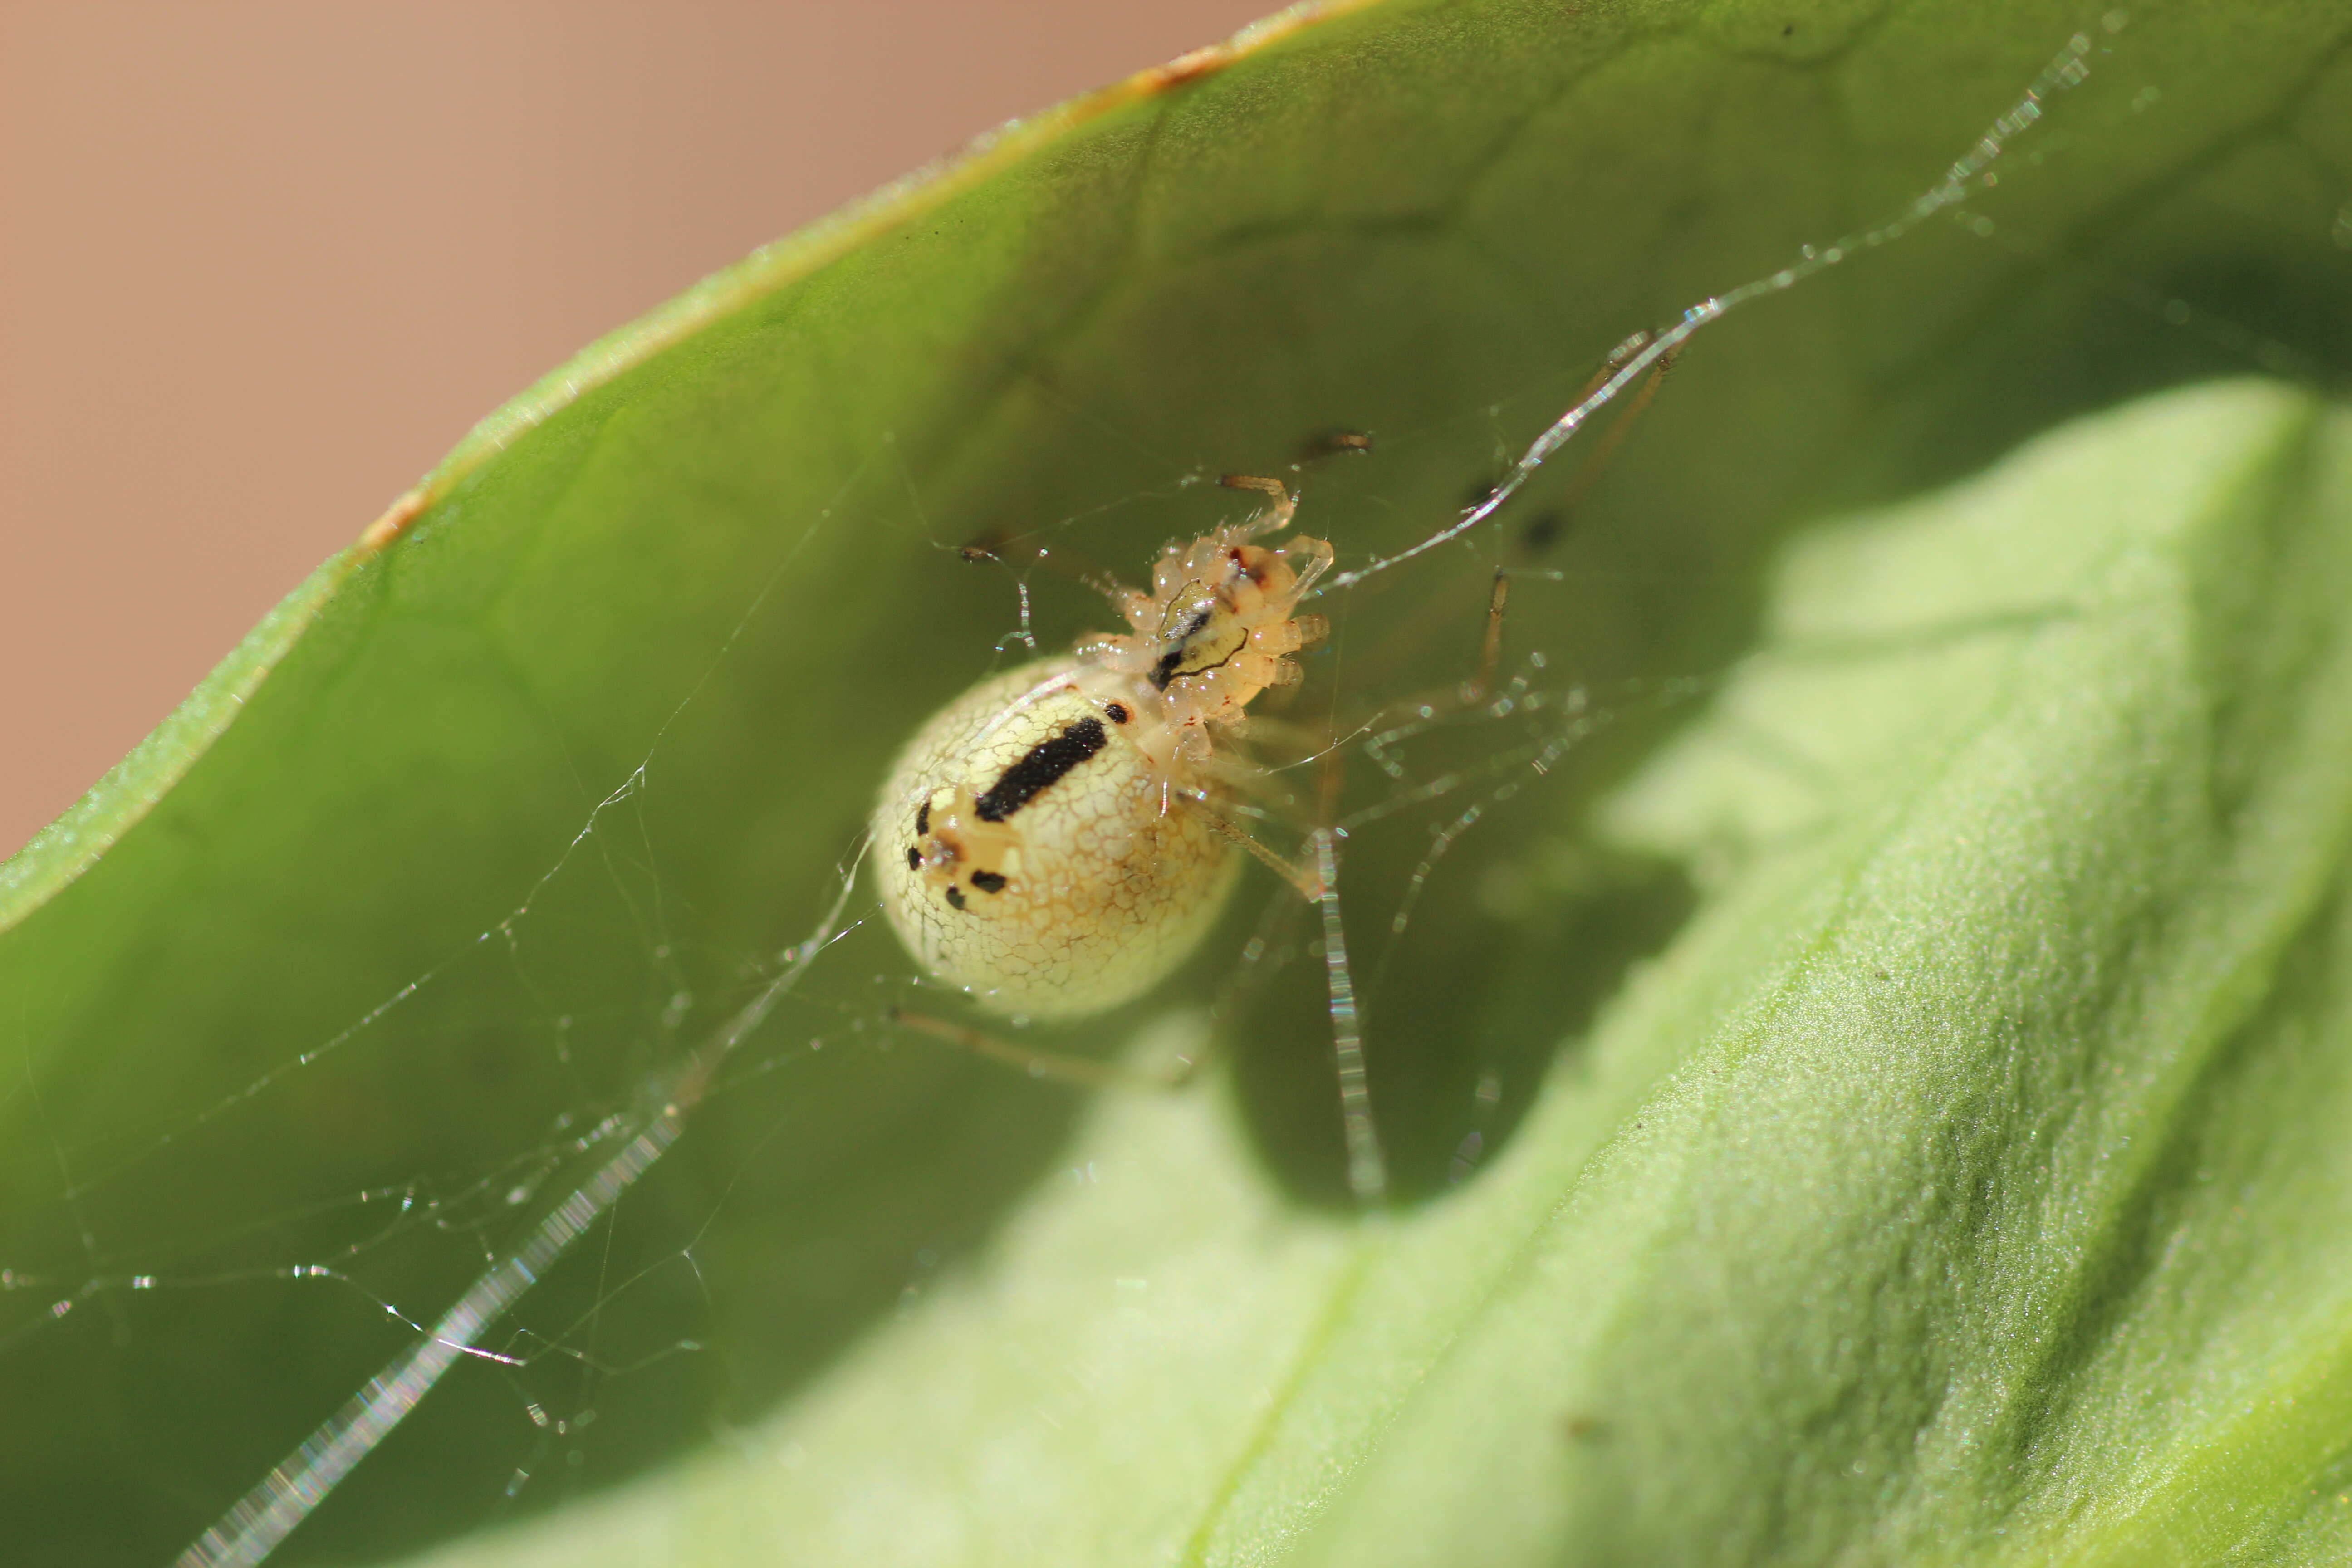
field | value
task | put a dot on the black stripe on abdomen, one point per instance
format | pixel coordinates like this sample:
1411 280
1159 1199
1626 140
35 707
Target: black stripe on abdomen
1039 767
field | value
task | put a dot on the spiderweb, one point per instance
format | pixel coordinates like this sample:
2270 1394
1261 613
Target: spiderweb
594 1295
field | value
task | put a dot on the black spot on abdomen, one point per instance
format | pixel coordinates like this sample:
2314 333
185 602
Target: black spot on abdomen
988 881
1039 768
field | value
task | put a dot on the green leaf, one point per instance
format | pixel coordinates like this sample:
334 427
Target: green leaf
1957 1180
1965 1184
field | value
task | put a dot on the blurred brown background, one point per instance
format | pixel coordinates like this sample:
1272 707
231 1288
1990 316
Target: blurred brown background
262 261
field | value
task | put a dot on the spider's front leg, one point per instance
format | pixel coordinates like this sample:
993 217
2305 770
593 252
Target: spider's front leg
1274 519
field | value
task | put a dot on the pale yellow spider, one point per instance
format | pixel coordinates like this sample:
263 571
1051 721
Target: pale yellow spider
1054 842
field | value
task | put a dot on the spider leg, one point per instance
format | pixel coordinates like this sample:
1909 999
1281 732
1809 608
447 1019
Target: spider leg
1308 884
1619 358
1274 518
1481 686
1411 714
1368 1171
1604 451
1059 1065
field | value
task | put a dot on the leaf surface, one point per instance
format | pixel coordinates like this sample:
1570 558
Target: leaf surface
1955 1182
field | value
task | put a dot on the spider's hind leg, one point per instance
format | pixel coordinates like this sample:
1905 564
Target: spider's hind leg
1058 1066
1308 883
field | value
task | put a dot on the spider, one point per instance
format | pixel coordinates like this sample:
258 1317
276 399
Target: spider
1054 841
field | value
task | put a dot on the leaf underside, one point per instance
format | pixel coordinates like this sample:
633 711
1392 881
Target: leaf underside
1913 1016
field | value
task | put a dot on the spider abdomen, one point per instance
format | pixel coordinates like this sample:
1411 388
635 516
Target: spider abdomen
1034 853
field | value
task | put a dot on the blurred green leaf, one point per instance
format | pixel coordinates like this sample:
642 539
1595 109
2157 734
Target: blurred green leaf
1957 1183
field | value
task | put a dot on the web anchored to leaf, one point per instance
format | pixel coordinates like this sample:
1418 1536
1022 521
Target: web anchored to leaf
1416 774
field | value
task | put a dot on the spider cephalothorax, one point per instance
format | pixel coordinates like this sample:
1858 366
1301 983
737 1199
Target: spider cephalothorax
1214 631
